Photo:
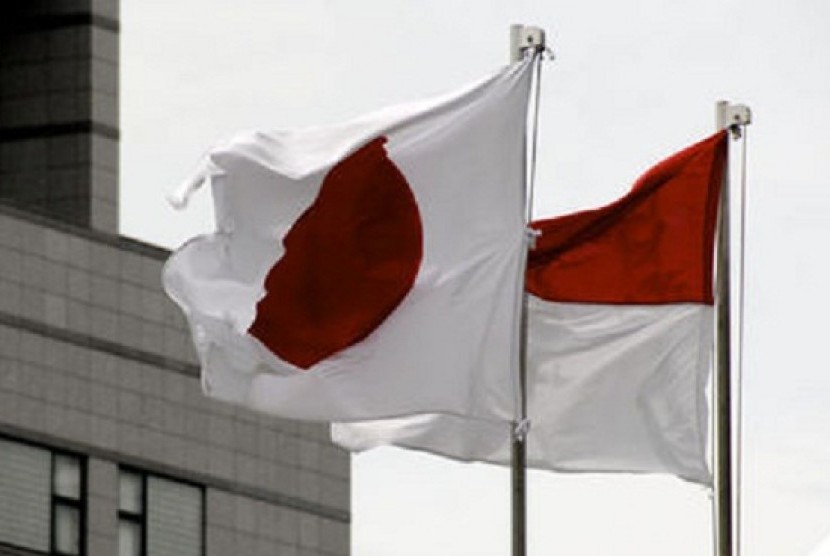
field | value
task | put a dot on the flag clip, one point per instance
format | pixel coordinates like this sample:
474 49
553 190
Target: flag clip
531 234
520 429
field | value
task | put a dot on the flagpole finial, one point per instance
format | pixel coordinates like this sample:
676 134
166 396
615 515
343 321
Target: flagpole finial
524 37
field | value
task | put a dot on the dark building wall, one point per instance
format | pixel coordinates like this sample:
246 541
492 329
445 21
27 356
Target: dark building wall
59 110
95 362
94 359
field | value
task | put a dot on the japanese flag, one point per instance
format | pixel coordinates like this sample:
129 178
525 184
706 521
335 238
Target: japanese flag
366 270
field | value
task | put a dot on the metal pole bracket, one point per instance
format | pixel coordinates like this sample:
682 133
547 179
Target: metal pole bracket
732 117
738 114
525 37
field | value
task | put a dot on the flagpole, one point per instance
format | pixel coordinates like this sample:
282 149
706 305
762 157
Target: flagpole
522 38
727 116
723 383
518 455
518 458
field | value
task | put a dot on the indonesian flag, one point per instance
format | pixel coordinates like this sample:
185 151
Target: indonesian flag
366 270
620 336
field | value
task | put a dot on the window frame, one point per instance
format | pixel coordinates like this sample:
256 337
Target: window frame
142 518
55 499
136 518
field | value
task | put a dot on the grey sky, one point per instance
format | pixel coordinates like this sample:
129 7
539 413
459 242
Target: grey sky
632 82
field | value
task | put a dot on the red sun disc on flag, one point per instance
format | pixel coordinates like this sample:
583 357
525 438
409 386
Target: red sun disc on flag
349 261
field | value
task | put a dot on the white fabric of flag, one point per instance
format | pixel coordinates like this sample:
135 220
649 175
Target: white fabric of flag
366 270
610 389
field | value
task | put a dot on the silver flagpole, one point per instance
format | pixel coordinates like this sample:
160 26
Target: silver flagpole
518 460
523 38
732 117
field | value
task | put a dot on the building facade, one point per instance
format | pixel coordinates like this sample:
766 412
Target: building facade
107 445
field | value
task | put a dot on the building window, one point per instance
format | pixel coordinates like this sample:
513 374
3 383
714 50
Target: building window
159 516
41 499
67 507
131 522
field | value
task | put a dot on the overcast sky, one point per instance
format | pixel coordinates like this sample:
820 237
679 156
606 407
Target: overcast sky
632 82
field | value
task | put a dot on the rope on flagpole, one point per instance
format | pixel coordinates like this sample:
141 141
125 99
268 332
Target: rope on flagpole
534 133
740 349
522 425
